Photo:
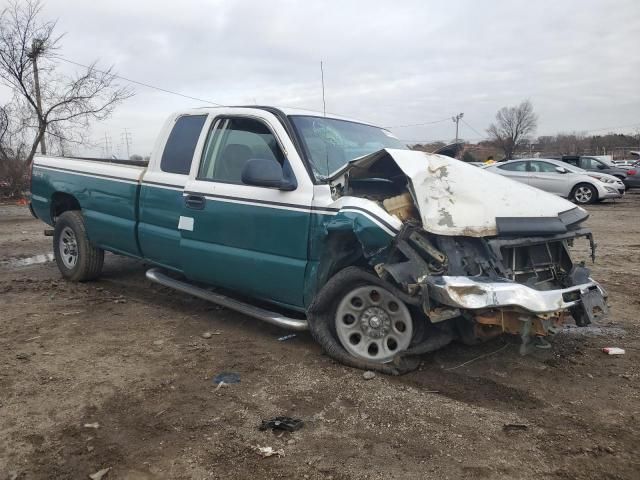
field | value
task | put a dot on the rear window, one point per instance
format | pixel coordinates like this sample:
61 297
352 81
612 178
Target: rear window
178 152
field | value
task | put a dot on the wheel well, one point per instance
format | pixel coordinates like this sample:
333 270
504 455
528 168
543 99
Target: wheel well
62 202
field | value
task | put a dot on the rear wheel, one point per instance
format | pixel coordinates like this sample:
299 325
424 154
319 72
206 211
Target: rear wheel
77 259
584 193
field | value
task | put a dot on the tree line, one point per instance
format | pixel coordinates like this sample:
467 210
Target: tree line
511 136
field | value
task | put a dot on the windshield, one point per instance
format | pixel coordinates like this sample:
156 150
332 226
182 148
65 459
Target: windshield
330 143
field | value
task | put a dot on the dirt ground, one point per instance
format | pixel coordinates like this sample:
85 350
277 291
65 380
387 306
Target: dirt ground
128 356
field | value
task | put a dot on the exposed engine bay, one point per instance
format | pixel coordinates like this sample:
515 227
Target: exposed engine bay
504 271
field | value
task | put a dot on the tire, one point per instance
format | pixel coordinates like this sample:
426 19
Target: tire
77 259
584 194
322 321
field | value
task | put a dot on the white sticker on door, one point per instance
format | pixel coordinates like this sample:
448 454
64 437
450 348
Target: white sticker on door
185 223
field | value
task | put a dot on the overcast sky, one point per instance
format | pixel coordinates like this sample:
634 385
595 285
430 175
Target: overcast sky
389 63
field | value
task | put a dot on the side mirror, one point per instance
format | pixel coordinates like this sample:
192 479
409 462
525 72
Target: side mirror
264 172
601 166
561 170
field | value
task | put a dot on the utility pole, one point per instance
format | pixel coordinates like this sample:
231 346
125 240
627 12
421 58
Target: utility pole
456 120
36 50
126 139
107 145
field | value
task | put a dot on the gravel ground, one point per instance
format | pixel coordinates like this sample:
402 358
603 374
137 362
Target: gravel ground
128 357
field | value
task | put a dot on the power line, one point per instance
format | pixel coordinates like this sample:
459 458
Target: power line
164 90
420 124
141 83
609 128
476 131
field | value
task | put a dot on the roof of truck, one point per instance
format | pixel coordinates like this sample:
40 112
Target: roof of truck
295 111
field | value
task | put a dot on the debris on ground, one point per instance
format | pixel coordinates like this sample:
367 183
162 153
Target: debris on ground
99 474
207 335
268 451
613 351
158 342
226 377
368 375
287 337
22 356
92 425
220 385
287 424
514 427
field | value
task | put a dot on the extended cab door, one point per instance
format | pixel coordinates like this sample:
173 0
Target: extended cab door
160 204
253 240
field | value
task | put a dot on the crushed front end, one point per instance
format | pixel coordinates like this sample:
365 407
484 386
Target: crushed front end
480 254
524 285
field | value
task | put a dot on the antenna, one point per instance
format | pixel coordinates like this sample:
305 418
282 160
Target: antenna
324 105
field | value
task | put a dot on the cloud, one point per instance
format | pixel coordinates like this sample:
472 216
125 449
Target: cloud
388 63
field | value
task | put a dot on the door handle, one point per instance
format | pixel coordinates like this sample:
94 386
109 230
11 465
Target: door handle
195 202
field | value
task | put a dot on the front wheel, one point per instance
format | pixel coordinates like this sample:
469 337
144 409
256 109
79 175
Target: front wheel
372 324
77 259
584 193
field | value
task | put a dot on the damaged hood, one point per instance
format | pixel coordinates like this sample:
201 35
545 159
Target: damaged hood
455 198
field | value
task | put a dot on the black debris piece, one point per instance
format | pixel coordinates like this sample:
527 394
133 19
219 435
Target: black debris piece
287 424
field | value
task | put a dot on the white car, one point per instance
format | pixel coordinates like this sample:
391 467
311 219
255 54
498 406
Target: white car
557 177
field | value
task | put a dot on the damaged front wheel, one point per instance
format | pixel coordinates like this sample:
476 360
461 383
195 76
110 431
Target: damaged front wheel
372 324
363 322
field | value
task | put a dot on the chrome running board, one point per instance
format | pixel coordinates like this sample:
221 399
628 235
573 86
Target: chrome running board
156 275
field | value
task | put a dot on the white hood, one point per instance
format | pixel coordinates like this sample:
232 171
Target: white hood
455 198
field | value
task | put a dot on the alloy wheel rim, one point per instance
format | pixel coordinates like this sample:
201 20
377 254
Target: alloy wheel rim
583 194
68 247
373 324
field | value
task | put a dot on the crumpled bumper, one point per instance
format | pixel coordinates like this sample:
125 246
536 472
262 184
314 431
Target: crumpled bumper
476 293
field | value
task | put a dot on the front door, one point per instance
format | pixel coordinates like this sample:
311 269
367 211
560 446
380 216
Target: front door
543 175
252 240
515 170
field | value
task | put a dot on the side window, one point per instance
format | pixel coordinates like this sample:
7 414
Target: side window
589 163
514 166
543 167
231 143
572 161
178 152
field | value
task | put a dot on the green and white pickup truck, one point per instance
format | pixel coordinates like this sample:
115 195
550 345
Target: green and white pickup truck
323 223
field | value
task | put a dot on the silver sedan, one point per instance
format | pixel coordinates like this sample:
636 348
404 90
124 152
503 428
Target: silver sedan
557 177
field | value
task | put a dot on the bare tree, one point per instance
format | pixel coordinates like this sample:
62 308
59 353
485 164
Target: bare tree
512 126
56 106
13 181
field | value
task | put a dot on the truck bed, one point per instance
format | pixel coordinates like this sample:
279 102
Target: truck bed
107 189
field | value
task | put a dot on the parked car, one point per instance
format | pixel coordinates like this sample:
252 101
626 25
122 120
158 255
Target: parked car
632 169
603 177
382 252
596 164
556 177
626 164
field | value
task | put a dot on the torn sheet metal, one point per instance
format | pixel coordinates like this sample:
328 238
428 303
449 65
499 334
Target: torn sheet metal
455 198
